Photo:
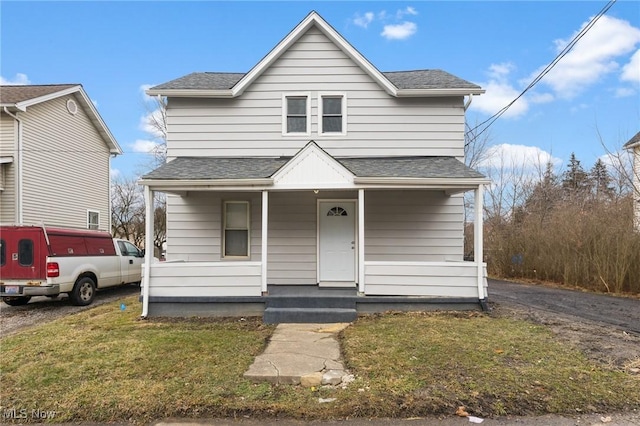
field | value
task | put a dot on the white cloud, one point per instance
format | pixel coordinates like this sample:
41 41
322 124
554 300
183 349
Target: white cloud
593 57
19 80
143 88
363 20
399 31
114 173
144 146
631 71
624 92
499 93
406 11
530 159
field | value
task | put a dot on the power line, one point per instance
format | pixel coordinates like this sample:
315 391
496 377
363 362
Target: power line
542 73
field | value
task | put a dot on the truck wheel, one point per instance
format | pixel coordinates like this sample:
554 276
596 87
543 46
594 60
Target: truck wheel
83 292
16 301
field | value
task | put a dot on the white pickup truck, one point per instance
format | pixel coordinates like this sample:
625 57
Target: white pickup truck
43 261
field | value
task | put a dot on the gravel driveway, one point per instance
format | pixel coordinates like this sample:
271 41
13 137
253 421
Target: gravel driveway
42 309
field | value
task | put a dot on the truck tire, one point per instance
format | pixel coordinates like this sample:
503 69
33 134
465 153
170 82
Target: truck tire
84 290
16 301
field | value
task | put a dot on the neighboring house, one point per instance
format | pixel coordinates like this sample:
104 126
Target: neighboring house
314 170
634 146
55 152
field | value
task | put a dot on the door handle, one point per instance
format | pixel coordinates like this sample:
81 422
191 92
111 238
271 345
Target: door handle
130 261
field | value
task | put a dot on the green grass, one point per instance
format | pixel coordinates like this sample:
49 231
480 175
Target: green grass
106 365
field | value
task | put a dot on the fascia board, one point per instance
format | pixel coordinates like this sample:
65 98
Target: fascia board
114 147
33 101
441 183
632 145
190 93
198 183
312 19
438 92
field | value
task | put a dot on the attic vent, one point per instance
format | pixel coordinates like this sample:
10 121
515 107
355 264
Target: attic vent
72 107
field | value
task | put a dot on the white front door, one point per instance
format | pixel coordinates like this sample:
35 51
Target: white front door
337 241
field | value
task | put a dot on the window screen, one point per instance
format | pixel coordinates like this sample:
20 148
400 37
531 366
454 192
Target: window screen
332 114
297 114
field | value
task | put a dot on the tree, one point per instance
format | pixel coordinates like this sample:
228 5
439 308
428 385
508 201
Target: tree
601 181
575 181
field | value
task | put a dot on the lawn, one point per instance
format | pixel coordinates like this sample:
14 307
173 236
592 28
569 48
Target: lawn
107 365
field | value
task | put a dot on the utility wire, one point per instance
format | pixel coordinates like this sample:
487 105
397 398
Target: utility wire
542 73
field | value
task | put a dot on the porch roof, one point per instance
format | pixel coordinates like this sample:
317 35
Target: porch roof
252 172
261 168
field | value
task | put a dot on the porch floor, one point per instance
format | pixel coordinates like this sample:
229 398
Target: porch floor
309 291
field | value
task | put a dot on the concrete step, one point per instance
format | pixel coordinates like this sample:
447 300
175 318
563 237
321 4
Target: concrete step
307 302
308 315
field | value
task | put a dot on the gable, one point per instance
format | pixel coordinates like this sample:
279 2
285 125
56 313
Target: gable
313 168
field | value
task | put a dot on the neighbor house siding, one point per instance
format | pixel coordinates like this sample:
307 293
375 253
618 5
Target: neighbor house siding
65 166
425 226
377 123
194 225
8 130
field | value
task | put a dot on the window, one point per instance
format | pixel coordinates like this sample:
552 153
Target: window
3 253
332 114
93 219
25 252
128 249
296 114
235 239
337 211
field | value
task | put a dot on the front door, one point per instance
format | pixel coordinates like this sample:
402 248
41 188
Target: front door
337 245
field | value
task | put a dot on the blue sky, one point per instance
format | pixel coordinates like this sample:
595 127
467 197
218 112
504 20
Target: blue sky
115 49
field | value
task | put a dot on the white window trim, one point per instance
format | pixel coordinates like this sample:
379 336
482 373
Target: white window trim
284 113
89 223
224 228
342 95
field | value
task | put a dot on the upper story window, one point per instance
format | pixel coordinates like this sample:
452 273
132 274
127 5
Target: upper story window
332 114
296 114
93 219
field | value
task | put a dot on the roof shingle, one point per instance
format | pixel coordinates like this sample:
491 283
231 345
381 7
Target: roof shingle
15 94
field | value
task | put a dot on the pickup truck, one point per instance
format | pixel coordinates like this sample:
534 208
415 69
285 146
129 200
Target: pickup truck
43 261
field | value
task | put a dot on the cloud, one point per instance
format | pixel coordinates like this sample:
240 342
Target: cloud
529 159
364 20
593 57
395 27
631 71
19 80
624 92
499 93
399 31
144 146
114 173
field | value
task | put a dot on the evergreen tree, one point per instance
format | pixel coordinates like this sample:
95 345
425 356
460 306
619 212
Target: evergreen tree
575 181
600 181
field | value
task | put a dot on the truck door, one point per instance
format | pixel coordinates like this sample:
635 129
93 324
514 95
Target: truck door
24 253
130 261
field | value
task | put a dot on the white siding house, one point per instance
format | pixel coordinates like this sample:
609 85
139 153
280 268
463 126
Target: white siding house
634 146
55 153
314 172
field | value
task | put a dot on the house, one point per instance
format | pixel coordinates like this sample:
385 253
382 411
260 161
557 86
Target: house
634 146
313 187
55 152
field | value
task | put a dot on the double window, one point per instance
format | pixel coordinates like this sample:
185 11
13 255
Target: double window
296 114
236 229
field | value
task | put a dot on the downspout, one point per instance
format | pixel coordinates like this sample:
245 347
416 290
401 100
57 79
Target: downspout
466 105
19 210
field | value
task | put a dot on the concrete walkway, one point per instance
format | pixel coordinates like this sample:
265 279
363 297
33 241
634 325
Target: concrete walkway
306 354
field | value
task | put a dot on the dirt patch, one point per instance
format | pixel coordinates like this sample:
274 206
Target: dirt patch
605 344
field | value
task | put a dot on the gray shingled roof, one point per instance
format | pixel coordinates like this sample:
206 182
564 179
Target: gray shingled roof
409 167
634 140
213 168
419 79
14 94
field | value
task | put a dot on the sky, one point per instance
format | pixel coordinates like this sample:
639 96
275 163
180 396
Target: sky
117 49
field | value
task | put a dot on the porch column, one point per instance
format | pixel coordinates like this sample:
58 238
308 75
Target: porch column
148 247
478 238
361 240
265 224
